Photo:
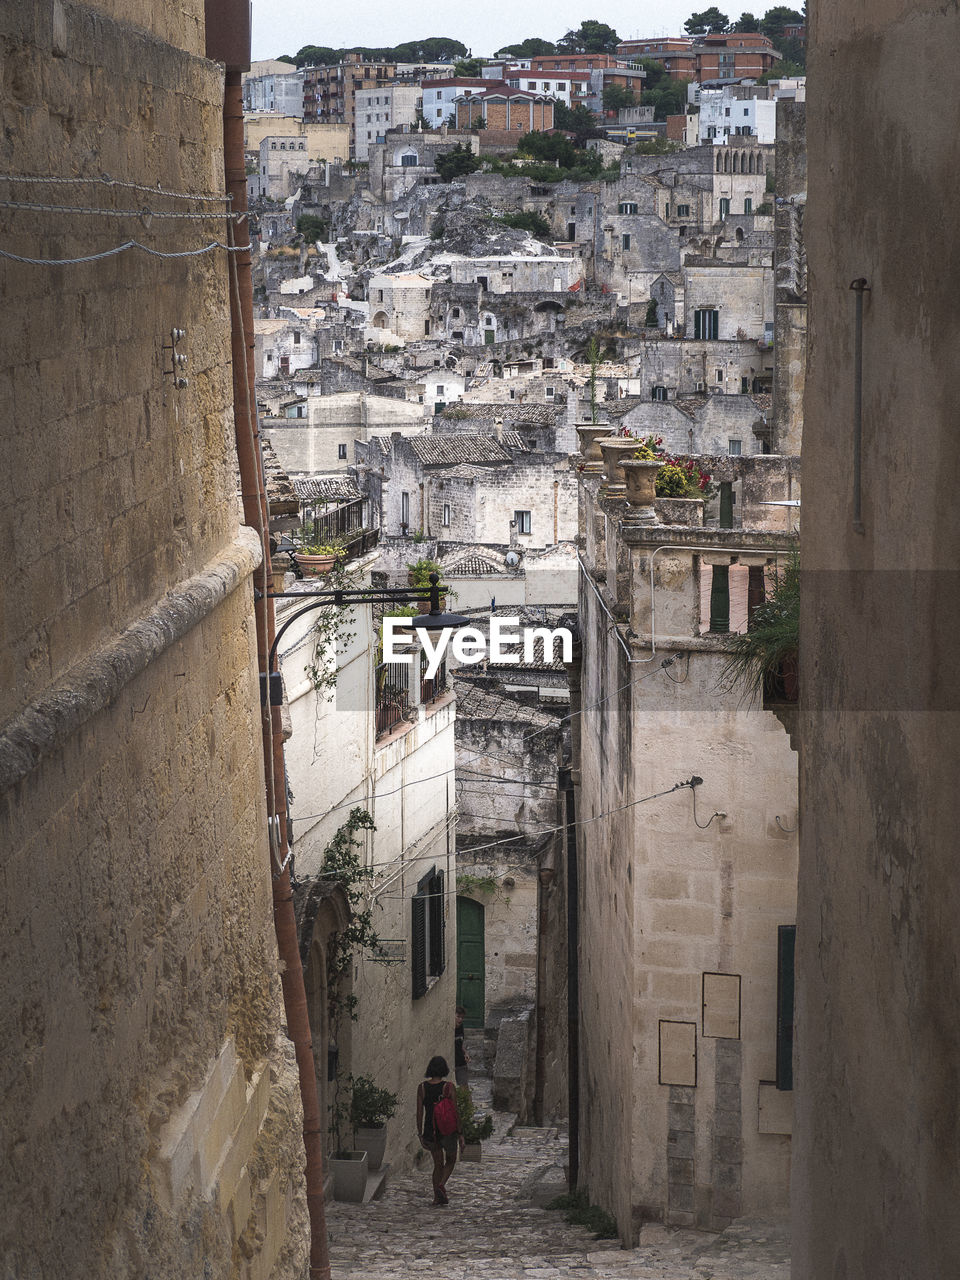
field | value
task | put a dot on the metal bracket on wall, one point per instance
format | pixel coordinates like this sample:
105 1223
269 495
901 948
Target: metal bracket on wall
178 359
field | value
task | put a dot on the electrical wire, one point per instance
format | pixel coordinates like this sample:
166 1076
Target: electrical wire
225 197
31 207
112 253
583 822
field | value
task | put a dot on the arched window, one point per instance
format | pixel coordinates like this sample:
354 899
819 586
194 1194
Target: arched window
751 163
726 163
719 163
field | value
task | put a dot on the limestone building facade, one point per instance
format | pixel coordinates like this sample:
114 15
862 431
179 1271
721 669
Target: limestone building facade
149 1110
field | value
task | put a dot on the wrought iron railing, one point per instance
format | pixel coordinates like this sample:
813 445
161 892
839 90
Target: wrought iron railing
431 690
392 699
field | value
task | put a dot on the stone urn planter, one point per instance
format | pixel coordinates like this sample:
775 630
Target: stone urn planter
588 435
614 451
373 1140
349 1170
314 566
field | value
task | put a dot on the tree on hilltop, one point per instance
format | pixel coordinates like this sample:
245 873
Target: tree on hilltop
532 47
709 22
590 37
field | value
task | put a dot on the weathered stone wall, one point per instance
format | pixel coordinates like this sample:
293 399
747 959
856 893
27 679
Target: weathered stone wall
679 918
790 277
877 1116
149 1112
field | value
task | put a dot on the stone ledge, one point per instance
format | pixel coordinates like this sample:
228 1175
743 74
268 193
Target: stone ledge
97 680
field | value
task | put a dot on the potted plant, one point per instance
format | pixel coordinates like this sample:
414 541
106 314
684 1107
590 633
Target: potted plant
316 559
370 1109
588 433
765 657
474 1129
418 576
347 1165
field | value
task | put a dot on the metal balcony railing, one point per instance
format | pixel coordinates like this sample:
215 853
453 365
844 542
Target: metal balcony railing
391 699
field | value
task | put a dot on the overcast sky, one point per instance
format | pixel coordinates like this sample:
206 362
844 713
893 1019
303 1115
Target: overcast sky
284 26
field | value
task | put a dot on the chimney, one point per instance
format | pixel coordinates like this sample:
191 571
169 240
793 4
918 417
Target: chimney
498 429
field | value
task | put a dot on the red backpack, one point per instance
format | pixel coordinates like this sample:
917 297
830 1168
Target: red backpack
445 1115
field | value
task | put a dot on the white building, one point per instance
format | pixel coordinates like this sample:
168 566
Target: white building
380 109
380 741
724 118
282 94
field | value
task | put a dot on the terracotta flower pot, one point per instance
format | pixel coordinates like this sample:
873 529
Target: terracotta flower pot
314 566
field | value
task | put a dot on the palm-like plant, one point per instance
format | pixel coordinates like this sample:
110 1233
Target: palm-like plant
768 649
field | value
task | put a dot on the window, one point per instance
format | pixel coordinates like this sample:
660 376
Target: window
522 521
439 391
719 375
683 211
747 205
341 451
296 337
561 86
786 945
724 207
549 392
734 448
744 386
408 160
427 949
446 515
658 393
628 207
404 510
706 323
455 313
625 239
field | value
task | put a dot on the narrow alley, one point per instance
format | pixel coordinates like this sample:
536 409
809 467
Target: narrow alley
496 1229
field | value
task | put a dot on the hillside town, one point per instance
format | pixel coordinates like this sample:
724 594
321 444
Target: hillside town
406 663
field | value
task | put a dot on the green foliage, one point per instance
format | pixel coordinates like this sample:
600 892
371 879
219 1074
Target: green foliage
783 70
669 98
764 209
578 1209
432 49
420 571
775 19
456 163
671 481
554 148
578 120
706 23
333 626
535 223
468 67
746 22
474 1130
590 37
341 864
312 228
370 1106
649 449
532 47
467 884
772 636
650 320
286 57
617 97
658 146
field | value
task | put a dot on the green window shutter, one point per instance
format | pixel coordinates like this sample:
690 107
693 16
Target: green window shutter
786 946
418 949
435 906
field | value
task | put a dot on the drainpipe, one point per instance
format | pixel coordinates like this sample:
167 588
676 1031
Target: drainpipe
569 784
255 514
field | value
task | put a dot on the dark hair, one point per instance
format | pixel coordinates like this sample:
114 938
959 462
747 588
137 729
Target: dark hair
461 1011
437 1067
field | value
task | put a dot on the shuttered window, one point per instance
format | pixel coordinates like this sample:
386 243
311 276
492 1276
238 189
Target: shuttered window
786 946
428 953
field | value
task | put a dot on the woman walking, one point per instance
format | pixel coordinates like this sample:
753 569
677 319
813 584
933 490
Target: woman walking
442 1146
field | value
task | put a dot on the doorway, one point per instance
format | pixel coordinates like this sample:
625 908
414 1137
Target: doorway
471 992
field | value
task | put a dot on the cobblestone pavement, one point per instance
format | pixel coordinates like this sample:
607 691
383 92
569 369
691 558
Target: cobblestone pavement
492 1230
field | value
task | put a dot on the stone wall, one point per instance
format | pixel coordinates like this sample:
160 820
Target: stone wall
150 1113
878 1042
680 909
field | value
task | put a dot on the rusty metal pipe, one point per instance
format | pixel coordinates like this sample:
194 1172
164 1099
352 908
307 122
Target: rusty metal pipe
255 514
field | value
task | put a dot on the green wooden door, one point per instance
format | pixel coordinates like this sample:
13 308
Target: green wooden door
470 961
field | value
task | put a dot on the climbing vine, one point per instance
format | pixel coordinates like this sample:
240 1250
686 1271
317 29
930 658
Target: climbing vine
341 864
333 629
